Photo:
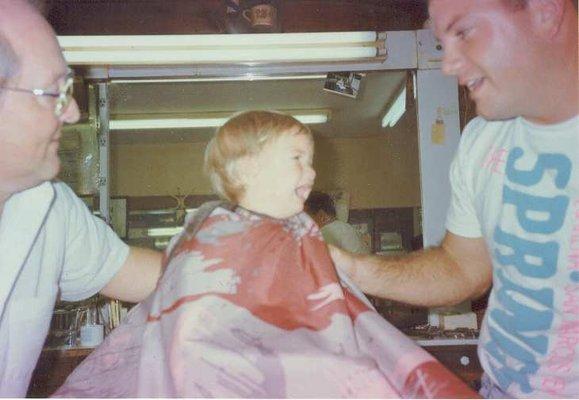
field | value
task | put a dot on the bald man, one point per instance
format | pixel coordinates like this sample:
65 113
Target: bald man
50 244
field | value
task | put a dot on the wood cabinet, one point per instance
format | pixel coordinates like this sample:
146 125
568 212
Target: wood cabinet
52 369
54 366
461 359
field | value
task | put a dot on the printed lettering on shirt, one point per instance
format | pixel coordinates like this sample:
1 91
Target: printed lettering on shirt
562 358
527 253
495 160
573 257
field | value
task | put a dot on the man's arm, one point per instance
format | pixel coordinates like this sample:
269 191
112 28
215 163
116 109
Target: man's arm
458 270
137 278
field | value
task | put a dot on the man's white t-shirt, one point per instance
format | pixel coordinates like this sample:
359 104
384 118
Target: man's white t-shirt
344 236
516 184
49 244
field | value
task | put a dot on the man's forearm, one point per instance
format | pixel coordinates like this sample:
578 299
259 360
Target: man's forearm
137 278
424 278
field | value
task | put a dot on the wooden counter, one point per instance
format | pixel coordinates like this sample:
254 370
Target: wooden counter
55 365
52 369
459 356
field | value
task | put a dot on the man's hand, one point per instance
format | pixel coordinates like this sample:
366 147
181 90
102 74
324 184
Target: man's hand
458 270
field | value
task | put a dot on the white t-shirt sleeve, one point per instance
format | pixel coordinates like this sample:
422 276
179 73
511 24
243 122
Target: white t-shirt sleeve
462 218
344 235
93 252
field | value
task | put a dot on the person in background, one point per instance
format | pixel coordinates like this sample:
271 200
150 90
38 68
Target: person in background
320 207
50 244
514 213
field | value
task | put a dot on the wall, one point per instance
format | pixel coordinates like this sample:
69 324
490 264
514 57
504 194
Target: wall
158 169
154 17
378 171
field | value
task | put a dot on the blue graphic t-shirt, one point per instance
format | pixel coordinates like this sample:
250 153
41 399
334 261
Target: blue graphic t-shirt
517 185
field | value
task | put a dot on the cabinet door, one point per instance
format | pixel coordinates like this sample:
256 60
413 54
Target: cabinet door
461 360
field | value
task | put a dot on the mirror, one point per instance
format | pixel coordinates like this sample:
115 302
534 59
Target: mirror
374 168
156 175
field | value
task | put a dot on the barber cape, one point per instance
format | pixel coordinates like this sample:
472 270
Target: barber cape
250 306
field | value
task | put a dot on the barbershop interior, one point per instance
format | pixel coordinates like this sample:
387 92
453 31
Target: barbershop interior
154 79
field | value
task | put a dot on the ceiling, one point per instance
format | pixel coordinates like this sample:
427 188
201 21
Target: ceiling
349 117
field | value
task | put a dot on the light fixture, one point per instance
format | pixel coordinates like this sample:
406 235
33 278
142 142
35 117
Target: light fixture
160 232
248 77
396 110
207 121
240 48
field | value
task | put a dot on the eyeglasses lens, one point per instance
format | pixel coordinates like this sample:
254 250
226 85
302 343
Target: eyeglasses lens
65 96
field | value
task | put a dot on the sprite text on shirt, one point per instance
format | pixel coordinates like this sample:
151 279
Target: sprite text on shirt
526 250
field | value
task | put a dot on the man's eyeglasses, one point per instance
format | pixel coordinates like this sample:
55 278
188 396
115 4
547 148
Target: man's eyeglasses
63 96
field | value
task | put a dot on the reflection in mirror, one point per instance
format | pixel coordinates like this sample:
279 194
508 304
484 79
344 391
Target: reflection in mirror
160 170
364 157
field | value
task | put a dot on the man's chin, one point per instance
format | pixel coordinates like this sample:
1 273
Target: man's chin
493 114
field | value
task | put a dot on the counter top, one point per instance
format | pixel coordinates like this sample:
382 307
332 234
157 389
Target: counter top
446 342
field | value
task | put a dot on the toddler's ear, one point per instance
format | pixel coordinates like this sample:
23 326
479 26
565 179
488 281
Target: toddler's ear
246 169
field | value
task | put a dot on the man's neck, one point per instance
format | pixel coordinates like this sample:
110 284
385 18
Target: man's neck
564 105
3 199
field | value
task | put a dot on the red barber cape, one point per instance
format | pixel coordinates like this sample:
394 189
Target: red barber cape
251 306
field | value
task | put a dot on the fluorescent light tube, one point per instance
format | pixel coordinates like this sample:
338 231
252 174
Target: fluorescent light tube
396 110
164 123
91 57
180 123
158 232
310 119
196 49
243 78
217 40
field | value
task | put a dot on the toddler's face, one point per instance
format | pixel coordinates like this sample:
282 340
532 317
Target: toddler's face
282 177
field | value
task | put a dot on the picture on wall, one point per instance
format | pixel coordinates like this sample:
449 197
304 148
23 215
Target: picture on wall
343 83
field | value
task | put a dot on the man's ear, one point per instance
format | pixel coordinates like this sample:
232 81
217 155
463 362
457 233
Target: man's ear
548 16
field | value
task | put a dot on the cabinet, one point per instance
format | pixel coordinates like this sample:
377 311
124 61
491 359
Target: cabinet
52 369
54 366
459 356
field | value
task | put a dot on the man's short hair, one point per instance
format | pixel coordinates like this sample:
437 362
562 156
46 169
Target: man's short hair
515 4
244 134
320 201
520 4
